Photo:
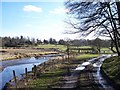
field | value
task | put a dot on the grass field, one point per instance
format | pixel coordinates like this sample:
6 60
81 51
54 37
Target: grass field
86 56
13 53
60 47
63 47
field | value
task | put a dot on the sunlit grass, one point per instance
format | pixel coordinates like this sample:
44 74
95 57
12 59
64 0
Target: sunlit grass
82 46
86 56
60 47
47 79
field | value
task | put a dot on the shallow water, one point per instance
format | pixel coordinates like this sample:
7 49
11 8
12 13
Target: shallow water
99 76
80 68
19 66
96 64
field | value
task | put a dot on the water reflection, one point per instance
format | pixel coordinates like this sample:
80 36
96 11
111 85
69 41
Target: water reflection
85 63
80 68
19 66
96 63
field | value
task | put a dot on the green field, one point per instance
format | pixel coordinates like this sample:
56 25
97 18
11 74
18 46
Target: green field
64 47
86 56
60 47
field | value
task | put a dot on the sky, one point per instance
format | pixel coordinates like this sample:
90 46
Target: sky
42 20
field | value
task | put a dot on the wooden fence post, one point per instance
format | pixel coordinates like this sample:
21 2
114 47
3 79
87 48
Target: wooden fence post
26 74
15 79
34 70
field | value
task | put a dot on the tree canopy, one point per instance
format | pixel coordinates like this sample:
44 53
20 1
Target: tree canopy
100 18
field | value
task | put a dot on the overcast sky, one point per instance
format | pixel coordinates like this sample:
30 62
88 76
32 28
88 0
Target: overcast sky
41 20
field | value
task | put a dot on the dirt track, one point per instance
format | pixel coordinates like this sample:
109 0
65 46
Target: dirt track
87 79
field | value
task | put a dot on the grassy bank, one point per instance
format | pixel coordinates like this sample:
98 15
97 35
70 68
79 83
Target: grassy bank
51 76
111 67
47 79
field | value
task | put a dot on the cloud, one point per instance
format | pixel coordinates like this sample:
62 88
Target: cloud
31 8
59 10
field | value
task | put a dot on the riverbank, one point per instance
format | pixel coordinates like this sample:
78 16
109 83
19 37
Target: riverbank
1 68
44 69
111 71
17 53
49 74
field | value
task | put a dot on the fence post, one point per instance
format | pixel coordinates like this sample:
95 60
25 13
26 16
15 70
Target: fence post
35 69
52 63
15 79
26 74
44 65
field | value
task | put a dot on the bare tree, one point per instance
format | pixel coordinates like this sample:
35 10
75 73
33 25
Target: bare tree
118 8
102 18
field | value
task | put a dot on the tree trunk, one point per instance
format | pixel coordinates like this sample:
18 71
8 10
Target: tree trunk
116 40
111 48
118 8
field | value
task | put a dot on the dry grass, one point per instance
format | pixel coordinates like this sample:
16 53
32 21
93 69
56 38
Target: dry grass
13 53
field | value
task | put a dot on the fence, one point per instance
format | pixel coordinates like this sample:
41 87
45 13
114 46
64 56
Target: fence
37 70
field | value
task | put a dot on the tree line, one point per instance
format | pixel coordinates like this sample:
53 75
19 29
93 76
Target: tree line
22 41
101 18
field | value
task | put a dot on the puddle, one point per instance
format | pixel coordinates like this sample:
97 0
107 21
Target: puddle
80 68
96 63
85 63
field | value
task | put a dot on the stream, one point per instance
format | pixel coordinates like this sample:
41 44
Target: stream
19 66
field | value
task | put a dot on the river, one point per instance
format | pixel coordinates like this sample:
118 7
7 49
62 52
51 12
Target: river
19 66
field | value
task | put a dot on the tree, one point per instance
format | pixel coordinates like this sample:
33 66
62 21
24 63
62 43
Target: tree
118 8
39 41
33 41
99 17
97 43
52 41
16 41
61 42
45 41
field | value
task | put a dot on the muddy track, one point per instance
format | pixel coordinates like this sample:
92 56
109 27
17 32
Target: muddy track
89 78
90 81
